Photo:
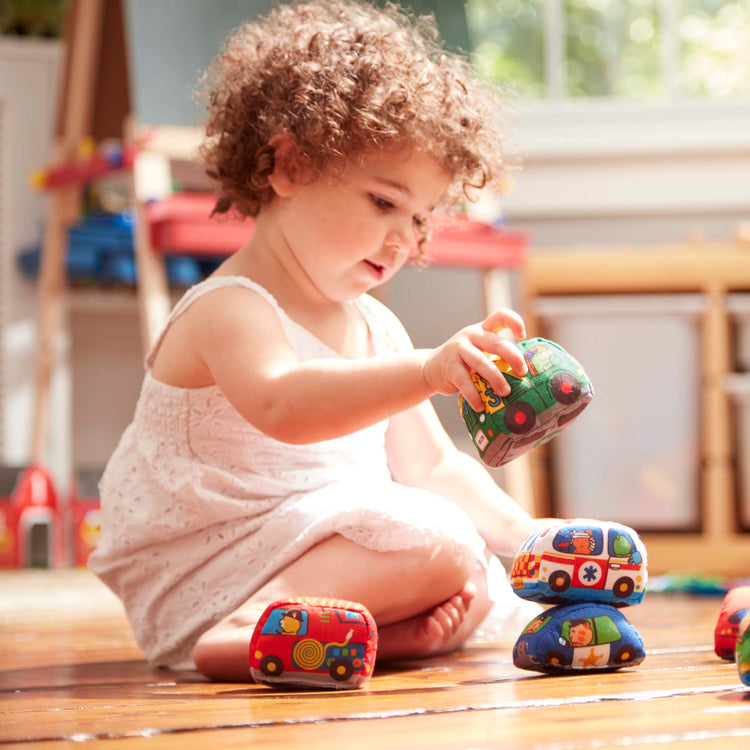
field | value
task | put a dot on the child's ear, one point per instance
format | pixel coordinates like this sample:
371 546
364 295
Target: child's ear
286 165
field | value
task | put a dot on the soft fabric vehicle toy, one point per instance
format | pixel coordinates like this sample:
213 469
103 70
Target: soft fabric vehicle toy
735 606
314 643
578 638
539 406
581 560
742 650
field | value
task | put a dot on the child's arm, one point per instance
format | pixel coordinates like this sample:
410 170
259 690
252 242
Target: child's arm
239 340
421 454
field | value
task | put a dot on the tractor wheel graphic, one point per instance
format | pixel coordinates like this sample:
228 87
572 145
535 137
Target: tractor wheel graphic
341 669
272 666
623 588
519 417
565 388
559 581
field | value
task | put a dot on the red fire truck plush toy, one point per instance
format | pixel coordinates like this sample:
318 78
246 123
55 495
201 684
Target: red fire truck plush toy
314 643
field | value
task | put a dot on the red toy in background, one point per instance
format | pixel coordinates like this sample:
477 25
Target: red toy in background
84 515
31 530
735 606
91 164
314 643
8 546
36 530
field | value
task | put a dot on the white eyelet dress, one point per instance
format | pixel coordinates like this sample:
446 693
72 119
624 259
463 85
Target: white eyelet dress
200 509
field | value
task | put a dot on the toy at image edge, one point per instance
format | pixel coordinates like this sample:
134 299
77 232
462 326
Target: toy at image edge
735 605
539 406
312 642
742 650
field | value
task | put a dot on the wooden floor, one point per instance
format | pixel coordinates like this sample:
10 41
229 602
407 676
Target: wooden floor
71 675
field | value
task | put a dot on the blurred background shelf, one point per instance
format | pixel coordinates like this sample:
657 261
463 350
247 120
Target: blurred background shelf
707 530
625 154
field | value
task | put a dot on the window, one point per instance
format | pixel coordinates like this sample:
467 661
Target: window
638 49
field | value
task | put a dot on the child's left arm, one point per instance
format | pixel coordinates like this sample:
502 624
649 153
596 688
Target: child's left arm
421 454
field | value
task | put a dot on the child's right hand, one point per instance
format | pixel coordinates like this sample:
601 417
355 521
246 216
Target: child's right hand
448 368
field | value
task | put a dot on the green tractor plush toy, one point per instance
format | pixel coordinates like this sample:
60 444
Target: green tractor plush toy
539 406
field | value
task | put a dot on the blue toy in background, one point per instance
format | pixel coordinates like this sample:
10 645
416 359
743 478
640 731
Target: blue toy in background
582 560
100 252
578 638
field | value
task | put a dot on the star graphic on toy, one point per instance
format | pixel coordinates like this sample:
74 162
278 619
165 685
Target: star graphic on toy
591 660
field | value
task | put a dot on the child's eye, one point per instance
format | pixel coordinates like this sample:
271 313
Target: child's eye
382 203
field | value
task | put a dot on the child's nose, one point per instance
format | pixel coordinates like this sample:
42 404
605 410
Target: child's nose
402 239
396 251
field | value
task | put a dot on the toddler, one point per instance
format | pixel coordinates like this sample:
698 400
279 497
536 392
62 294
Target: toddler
283 443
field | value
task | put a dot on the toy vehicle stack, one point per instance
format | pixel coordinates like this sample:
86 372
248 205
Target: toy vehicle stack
589 570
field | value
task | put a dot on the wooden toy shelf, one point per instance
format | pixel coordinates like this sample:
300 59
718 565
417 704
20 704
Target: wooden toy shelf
720 547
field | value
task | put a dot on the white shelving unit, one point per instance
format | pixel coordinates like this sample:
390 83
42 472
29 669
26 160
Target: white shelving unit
26 126
715 271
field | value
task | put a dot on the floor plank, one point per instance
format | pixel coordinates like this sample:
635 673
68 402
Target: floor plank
71 674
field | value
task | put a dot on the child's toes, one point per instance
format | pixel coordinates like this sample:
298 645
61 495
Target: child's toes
450 615
441 619
468 592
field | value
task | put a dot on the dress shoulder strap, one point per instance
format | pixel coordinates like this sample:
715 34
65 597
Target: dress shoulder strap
197 291
372 311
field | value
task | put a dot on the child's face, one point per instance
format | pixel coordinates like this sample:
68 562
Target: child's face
354 233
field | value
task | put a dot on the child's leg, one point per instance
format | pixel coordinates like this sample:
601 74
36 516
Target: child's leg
424 601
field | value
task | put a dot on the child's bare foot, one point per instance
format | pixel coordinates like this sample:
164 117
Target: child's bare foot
436 631
221 653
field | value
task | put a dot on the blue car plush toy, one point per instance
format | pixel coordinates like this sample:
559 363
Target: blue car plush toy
578 638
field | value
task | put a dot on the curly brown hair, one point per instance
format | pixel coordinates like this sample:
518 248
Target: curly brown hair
343 77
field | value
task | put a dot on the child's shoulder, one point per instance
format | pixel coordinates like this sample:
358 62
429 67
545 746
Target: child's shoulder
375 307
232 282
223 303
216 291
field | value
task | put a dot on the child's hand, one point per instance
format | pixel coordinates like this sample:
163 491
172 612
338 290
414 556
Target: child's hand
448 368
